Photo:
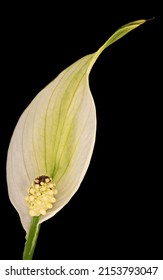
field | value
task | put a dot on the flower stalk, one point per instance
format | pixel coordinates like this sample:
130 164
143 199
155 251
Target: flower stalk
32 237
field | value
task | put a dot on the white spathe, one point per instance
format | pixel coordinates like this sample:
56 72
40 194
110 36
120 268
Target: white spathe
55 135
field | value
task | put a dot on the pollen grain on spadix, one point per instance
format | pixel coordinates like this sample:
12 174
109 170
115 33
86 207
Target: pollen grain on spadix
41 195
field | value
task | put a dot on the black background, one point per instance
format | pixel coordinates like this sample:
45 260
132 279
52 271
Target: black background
116 213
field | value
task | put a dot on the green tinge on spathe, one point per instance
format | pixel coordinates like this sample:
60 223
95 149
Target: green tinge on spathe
55 135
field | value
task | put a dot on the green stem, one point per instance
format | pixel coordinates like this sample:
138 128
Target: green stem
31 239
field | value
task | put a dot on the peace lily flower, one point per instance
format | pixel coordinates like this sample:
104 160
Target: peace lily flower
52 144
